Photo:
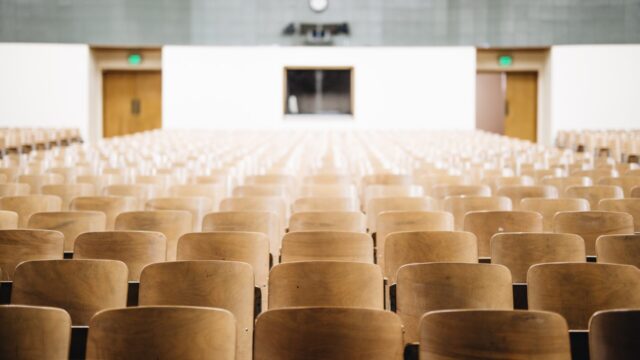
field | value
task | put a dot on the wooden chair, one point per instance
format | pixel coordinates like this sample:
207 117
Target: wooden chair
485 224
27 205
100 181
150 332
69 223
262 190
409 247
327 179
253 221
326 283
377 206
440 192
275 205
428 182
14 189
82 287
459 206
328 333
384 191
596 174
325 204
593 194
548 208
625 182
494 335
327 245
635 192
577 291
8 220
37 181
614 334
214 192
34 332
395 221
630 206
196 206
328 190
591 224
11 173
563 183
68 192
438 286
518 192
136 249
221 284
111 206
172 223
17 246
386 179
619 249
351 221
140 192
496 183
520 251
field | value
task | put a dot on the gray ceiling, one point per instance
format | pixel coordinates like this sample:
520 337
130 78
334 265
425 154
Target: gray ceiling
372 22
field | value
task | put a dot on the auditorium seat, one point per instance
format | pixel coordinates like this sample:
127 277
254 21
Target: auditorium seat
485 224
141 192
327 245
518 192
8 220
328 190
548 208
351 221
614 334
150 332
591 224
27 205
82 287
21 245
276 205
67 192
630 206
619 249
308 204
635 192
376 206
595 193
459 206
438 286
37 181
562 183
495 183
14 189
625 182
197 206
111 206
69 223
440 192
100 181
214 192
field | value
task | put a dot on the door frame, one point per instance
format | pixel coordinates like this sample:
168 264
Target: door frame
525 60
105 59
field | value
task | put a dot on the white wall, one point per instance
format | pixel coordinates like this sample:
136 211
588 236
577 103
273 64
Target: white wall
223 87
595 87
44 85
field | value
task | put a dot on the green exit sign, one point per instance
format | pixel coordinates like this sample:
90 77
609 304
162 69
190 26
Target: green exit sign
134 59
505 60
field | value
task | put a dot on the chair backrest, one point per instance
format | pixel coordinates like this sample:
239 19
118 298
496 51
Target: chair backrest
635 192
136 249
329 190
326 283
438 286
591 224
21 245
100 181
36 181
325 204
376 206
352 221
382 191
561 183
577 291
548 208
497 182
111 206
172 223
82 287
197 206
619 249
494 335
625 182
613 334
275 205
214 192
150 332
409 247
442 191
14 189
594 193
630 206
328 333
484 224
8 220
248 247
328 179
520 251
69 223
327 245
67 192
141 192
221 284
459 206
27 205
34 332
518 192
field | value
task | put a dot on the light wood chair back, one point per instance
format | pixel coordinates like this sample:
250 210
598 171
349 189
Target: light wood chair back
562 183
328 190
327 245
619 249
548 208
111 206
14 189
591 224
497 182
351 221
594 193
100 181
8 220
21 245
27 205
308 204
635 192
377 206
141 192
276 205
440 192
196 206
214 192
485 224
67 192
613 334
518 192
459 206
630 206
69 223
37 181
625 182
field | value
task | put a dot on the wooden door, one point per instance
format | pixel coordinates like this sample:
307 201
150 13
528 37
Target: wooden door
521 105
132 102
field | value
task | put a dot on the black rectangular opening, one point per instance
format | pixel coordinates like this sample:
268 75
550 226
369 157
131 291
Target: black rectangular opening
318 91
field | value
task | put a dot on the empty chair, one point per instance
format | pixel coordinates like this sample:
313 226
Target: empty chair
214 192
563 183
577 291
438 286
442 191
625 182
591 224
262 190
67 192
14 189
377 206
37 181
520 251
430 181
69 223
172 223
151 332
100 181
635 192
325 204
319 333
630 206
614 334
326 283
222 284
619 249
595 193
459 206
499 181
8 220
34 332
111 206
82 287
140 192
327 245
161 182
484 224
353 221
196 206
494 334
518 192
272 204
136 249
386 179
328 190
17 246
409 247
327 179
382 191
548 208
27 205
11 173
